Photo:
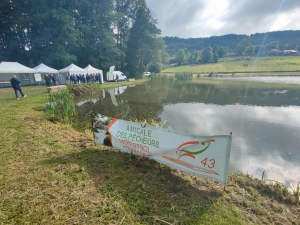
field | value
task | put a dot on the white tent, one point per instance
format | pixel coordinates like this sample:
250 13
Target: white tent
42 68
91 69
14 67
24 73
71 69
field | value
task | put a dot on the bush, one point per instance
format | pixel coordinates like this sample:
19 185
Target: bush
155 68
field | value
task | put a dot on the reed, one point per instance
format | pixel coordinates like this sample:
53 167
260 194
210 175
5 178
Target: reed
61 106
161 78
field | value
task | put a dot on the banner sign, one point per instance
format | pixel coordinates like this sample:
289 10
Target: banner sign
198 155
37 77
111 75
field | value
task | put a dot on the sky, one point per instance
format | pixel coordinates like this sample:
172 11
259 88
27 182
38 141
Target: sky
206 18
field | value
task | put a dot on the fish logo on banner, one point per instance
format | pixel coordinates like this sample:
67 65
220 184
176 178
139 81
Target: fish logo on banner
192 149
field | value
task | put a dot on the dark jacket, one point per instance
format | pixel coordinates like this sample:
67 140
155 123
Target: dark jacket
15 83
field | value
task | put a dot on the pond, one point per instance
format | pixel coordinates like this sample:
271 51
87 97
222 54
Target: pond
263 117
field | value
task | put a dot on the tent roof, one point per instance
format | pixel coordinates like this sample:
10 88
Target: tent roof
72 68
91 69
14 67
42 68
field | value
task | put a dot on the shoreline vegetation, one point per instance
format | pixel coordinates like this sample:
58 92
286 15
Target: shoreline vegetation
244 66
52 174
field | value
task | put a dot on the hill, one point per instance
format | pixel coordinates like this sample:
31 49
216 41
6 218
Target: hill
289 37
244 64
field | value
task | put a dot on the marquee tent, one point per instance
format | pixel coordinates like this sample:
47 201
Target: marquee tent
42 68
14 67
71 69
24 73
91 69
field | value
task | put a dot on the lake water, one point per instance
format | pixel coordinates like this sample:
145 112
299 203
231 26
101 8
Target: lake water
263 117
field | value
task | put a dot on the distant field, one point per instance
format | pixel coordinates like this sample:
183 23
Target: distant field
236 64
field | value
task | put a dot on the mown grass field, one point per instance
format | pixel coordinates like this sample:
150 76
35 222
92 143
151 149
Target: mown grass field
236 64
52 174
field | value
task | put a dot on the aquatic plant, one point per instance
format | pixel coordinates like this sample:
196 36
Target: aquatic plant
161 78
61 106
183 75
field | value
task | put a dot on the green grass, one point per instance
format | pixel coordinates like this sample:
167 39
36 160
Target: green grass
235 64
52 174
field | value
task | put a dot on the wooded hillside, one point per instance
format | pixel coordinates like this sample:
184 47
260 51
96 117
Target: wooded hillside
285 39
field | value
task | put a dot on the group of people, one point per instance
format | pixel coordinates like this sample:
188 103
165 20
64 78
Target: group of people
50 78
81 78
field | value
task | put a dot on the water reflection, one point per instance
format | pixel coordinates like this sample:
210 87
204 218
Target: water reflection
264 121
266 79
264 138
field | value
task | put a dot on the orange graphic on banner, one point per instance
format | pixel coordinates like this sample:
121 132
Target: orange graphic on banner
183 152
190 166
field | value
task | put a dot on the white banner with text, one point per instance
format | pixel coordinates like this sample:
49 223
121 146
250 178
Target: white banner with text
205 156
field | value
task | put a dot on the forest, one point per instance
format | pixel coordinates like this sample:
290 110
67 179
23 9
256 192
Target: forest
285 40
209 50
97 32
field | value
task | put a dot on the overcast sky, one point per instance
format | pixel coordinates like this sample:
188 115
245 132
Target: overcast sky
205 18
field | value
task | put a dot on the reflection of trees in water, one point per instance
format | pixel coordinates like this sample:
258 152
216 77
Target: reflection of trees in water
146 101
212 94
125 109
146 93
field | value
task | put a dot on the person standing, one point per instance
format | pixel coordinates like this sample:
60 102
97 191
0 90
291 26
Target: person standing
117 78
15 83
87 77
47 79
67 78
53 77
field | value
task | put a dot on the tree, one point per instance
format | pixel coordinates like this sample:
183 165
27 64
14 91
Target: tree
12 30
271 45
195 57
221 52
215 53
142 44
215 57
180 56
250 50
241 46
207 55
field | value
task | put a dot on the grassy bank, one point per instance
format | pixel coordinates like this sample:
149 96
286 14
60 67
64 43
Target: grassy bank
272 64
52 174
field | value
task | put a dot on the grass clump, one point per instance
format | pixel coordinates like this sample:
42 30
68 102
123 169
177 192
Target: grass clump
161 78
183 75
61 106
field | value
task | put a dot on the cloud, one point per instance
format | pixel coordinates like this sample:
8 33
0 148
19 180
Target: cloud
194 18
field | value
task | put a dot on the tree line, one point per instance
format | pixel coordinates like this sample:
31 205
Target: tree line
208 50
97 32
